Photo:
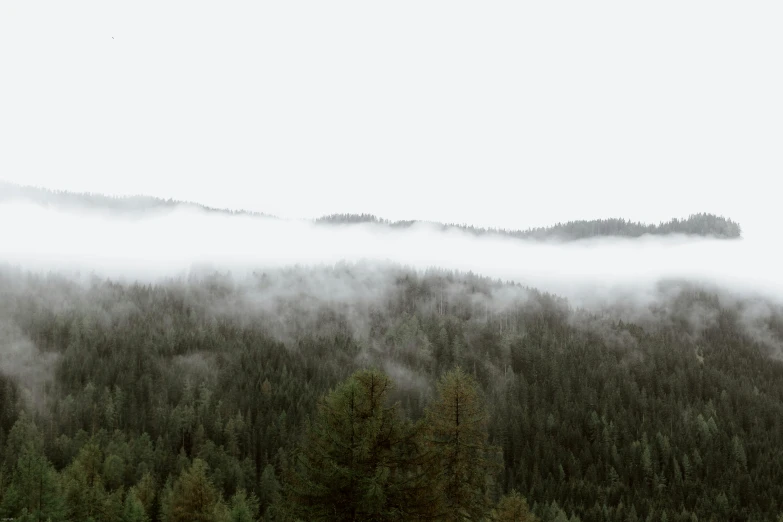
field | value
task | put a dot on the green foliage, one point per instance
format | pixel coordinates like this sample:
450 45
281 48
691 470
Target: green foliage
24 438
243 508
145 491
268 488
513 508
456 431
33 489
357 461
133 509
619 413
83 489
193 497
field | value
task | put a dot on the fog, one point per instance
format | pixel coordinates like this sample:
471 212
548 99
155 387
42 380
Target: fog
514 114
178 242
288 273
23 361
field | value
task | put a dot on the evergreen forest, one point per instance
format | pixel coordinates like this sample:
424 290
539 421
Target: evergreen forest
358 392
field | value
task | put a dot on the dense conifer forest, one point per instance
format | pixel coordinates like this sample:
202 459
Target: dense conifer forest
359 392
390 262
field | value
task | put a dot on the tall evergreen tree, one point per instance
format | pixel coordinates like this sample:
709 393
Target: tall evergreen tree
33 490
268 488
83 489
358 459
513 508
145 492
133 509
193 497
457 434
243 507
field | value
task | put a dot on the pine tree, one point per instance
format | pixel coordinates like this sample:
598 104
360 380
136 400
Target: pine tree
358 458
193 497
133 509
268 487
457 434
146 491
513 508
165 496
83 489
24 437
243 507
33 490
113 507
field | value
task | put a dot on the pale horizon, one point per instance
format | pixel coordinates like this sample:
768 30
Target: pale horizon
511 116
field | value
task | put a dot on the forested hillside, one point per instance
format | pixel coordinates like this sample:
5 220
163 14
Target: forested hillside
702 224
91 202
218 398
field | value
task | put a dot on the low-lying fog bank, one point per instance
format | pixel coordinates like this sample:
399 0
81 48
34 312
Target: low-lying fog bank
173 243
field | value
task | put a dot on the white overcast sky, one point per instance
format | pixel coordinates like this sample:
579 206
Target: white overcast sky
494 113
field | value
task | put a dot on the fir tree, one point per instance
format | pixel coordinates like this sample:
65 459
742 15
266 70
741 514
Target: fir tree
193 497
358 458
513 508
457 434
33 490
133 509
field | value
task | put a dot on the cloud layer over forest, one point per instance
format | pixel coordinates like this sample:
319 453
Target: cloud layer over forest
165 244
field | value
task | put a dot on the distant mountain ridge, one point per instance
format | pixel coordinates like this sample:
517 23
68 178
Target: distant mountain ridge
700 224
93 201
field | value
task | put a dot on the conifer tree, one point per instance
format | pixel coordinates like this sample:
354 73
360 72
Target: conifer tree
358 458
457 435
146 492
83 489
33 490
133 509
269 488
513 508
24 437
193 497
243 507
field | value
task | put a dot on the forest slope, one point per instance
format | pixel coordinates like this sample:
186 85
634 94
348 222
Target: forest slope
666 410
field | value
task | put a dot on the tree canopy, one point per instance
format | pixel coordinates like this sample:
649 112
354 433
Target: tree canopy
217 399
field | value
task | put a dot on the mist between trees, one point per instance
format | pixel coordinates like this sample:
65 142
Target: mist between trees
120 397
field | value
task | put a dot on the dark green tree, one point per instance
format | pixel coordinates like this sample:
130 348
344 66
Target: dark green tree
133 509
33 490
513 508
83 490
457 423
358 457
193 497
243 507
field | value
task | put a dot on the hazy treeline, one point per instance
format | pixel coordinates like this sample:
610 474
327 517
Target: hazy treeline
129 401
80 201
701 224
